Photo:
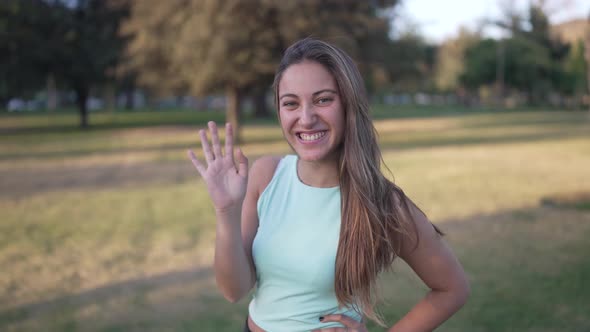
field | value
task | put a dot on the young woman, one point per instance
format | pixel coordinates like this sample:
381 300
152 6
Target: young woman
313 230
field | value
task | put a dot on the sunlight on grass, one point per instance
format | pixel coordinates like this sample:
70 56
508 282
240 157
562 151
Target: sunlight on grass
112 230
86 239
457 182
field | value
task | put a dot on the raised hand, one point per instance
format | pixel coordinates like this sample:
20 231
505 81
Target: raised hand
226 183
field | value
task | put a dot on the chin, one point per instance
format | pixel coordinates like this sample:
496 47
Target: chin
304 157
315 156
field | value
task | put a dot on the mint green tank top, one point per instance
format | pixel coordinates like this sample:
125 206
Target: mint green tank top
294 251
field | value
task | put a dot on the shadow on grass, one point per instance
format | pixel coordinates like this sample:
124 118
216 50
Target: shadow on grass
80 152
106 150
441 140
67 122
389 139
60 123
528 119
528 269
21 182
577 200
114 297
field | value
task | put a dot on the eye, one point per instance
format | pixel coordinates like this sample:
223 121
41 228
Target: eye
289 104
324 100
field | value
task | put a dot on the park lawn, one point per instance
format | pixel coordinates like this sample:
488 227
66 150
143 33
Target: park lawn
112 231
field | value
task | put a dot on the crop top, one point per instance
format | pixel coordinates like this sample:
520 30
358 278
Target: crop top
294 252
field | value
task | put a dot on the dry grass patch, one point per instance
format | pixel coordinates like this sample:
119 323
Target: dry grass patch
114 223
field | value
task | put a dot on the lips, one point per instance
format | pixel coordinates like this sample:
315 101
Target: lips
310 137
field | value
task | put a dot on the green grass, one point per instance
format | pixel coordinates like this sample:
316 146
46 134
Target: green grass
111 230
67 121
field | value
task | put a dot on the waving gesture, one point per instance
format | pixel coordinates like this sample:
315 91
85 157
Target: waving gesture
226 183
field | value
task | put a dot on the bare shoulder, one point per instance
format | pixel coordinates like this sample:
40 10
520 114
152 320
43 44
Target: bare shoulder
419 226
262 171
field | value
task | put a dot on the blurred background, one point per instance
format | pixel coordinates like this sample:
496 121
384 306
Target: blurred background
482 109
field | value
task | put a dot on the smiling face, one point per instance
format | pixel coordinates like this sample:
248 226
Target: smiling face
311 112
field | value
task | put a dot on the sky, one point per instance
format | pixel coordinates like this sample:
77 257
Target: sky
441 19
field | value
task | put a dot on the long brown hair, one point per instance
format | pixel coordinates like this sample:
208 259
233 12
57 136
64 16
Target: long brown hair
375 212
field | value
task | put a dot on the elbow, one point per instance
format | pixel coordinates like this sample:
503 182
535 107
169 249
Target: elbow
233 289
233 298
463 292
457 294
233 295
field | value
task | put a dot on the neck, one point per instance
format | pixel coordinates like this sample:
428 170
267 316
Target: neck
320 174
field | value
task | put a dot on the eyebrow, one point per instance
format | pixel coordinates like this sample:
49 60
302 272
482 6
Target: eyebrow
314 94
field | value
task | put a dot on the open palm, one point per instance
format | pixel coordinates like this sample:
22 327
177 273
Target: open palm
226 183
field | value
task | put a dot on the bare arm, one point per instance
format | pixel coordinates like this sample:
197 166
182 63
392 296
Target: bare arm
227 185
434 262
234 270
234 265
234 194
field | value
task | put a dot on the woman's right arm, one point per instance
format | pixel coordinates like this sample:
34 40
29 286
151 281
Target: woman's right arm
260 175
235 271
234 194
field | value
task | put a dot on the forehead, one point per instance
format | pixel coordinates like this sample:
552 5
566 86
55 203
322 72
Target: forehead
306 78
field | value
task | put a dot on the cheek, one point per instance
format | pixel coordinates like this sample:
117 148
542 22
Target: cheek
281 115
338 118
284 121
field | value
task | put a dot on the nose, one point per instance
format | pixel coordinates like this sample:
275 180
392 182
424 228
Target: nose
307 117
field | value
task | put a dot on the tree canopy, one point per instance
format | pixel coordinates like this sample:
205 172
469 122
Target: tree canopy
204 46
531 59
75 42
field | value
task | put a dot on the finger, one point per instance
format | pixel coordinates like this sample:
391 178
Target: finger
243 163
200 167
206 147
215 140
342 319
229 141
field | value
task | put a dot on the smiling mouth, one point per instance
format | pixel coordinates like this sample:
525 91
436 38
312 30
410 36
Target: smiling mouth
311 137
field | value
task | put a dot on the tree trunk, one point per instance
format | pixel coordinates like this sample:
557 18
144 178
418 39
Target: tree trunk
109 95
129 99
233 110
81 98
51 93
587 56
260 107
500 58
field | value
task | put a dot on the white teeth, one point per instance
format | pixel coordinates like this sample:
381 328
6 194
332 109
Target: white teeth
312 137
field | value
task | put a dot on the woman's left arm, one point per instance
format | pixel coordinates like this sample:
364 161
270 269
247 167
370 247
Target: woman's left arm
434 262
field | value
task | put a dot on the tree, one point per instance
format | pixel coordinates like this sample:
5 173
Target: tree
529 59
25 30
450 60
574 71
587 57
74 43
528 66
480 64
205 46
91 47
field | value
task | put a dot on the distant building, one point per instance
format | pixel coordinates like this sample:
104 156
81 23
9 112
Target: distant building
572 31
